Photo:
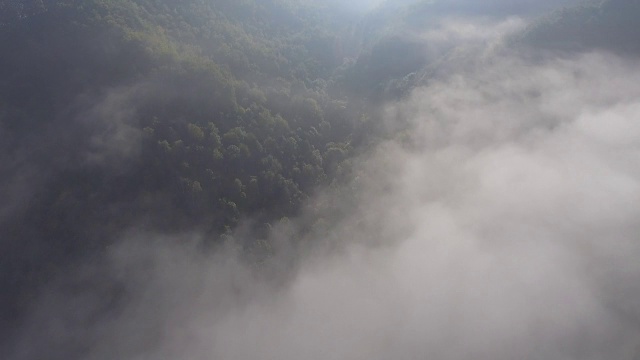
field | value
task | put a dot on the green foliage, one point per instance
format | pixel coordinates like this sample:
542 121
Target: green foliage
169 116
220 90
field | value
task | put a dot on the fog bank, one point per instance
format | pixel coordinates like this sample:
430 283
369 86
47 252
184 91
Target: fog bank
503 225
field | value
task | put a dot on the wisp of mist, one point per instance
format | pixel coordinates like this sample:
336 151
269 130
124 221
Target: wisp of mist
504 225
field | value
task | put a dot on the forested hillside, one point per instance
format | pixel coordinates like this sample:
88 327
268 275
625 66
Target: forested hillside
168 116
610 25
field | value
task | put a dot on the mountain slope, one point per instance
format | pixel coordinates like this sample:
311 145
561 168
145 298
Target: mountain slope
608 25
117 114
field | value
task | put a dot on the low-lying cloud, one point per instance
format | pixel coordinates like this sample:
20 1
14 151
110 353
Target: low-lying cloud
503 227
457 31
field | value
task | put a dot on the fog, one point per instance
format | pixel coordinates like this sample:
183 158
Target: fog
491 8
503 7
503 225
485 8
358 6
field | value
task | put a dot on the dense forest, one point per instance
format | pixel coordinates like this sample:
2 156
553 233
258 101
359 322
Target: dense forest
145 113
171 116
